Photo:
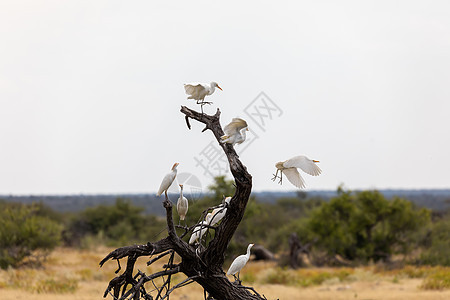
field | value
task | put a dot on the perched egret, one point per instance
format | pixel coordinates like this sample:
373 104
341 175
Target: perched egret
167 181
289 168
235 132
198 91
239 262
218 213
182 205
199 230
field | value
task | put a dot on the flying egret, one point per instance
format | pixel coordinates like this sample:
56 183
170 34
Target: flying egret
235 132
239 262
182 206
289 168
218 213
198 91
167 181
199 230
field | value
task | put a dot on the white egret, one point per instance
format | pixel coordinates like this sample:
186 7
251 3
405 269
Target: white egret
218 213
239 262
235 132
198 91
167 181
289 168
182 205
199 229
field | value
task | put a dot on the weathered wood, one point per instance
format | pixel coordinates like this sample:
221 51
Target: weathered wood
262 253
200 264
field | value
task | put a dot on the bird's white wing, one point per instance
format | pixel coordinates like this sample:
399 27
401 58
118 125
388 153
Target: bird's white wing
237 264
305 164
235 126
195 89
216 215
294 177
166 182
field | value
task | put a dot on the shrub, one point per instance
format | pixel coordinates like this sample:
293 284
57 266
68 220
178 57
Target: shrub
23 233
437 281
437 253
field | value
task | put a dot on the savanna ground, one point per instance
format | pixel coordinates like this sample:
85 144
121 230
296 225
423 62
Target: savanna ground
75 274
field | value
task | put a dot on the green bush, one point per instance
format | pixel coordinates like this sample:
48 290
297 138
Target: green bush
23 232
113 225
438 251
367 227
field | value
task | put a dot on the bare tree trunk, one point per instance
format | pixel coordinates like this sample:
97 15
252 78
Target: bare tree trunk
296 248
202 265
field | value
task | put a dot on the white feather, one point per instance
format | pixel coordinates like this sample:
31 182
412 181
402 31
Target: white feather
199 230
167 180
198 91
294 177
305 164
239 262
182 205
234 132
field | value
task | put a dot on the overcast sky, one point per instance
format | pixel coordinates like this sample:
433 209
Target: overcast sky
90 91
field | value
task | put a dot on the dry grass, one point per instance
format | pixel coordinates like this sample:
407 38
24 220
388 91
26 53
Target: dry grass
72 274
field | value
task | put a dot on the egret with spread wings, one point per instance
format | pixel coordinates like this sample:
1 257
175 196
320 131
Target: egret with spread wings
235 132
198 91
289 168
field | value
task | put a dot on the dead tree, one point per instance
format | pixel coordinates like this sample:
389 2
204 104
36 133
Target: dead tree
201 264
295 249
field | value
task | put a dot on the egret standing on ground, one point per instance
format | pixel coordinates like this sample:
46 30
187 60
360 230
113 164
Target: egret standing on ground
235 132
167 181
182 206
239 262
198 91
289 168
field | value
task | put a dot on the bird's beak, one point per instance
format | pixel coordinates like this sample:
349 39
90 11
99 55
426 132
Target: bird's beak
315 161
247 129
219 88
180 185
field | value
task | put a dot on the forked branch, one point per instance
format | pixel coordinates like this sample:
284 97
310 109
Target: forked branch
202 264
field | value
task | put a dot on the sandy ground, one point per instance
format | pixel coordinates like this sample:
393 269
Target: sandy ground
92 282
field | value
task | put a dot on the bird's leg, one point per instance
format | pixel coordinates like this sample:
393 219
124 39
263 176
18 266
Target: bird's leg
167 197
275 176
281 178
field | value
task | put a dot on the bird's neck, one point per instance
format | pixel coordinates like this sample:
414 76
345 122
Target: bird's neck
243 133
248 252
212 88
181 193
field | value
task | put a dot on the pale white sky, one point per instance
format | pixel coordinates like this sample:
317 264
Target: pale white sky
90 91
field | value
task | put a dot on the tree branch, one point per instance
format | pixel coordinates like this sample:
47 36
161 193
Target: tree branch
201 265
243 180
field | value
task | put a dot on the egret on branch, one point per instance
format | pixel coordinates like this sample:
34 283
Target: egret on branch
182 206
235 132
167 181
289 168
199 230
198 91
239 262
218 213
